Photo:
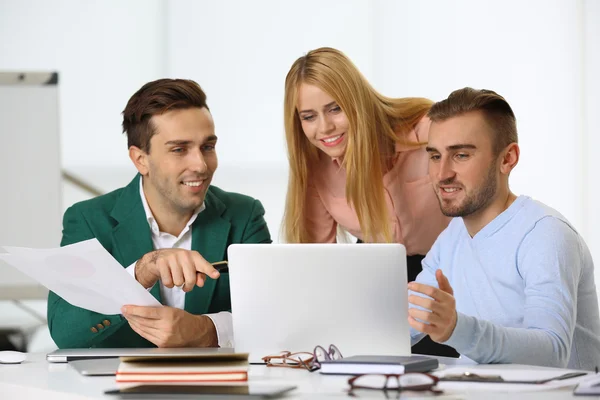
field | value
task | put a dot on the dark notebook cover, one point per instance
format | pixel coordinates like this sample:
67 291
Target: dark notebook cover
357 365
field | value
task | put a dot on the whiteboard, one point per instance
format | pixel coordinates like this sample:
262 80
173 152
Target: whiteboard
30 173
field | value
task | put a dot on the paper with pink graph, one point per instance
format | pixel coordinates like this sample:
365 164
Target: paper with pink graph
84 274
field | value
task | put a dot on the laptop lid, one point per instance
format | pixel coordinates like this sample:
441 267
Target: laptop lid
66 355
296 296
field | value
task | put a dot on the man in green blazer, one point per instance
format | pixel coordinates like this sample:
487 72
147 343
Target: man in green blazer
166 228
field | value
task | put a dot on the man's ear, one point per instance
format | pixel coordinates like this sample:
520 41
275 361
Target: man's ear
509 158
140 159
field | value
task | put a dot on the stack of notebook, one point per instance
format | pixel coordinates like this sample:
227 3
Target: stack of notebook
210 367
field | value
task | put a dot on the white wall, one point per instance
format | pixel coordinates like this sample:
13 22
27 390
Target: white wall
591 132
104 50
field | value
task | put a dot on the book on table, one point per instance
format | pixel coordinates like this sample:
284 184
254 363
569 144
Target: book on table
210 367
357 365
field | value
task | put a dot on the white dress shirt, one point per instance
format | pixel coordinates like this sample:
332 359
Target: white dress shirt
175 297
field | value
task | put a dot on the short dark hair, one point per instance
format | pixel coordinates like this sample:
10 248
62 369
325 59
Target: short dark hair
155 98
495 108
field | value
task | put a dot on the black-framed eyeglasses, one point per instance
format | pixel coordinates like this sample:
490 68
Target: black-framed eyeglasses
320 354
415 381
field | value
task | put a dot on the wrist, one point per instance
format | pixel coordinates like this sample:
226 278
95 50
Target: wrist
144 268
452 328
207 333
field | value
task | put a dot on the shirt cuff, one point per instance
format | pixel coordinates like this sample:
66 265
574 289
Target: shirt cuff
224 327
131 271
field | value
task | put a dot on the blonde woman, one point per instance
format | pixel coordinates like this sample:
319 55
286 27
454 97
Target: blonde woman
358 163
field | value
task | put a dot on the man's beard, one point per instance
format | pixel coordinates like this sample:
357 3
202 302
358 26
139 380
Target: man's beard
473 202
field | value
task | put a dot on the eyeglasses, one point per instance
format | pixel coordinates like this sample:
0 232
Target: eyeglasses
303 359
288 359
320 354
416 381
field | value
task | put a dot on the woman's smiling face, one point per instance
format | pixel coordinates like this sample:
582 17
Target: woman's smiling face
323 121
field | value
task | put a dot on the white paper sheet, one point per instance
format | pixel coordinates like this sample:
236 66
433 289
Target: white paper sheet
84 274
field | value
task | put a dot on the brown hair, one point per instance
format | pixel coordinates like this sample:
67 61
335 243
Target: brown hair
155 98
494 107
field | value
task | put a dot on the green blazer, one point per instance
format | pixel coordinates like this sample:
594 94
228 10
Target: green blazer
118 221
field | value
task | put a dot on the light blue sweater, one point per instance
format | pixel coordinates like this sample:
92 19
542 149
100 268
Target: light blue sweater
524 289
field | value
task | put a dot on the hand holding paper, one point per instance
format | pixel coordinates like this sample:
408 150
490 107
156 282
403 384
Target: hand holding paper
171 327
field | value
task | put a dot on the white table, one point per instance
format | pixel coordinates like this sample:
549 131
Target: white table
39 379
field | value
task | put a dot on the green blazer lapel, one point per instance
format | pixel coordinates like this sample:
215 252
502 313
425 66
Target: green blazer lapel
210 236
131 237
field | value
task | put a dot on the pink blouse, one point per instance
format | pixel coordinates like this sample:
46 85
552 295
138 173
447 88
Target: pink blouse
413 207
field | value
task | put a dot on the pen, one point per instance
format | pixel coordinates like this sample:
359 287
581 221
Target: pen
221 266
471 377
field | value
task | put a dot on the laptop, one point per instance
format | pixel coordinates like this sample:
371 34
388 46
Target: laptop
68 355
96 367
296 296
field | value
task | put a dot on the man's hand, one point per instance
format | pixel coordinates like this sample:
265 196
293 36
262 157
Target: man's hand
441 321
171 327
174 267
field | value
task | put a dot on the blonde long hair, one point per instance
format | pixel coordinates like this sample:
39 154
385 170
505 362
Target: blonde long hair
376 123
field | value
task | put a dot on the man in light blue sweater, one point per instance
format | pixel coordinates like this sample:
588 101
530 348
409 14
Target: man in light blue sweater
510 280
